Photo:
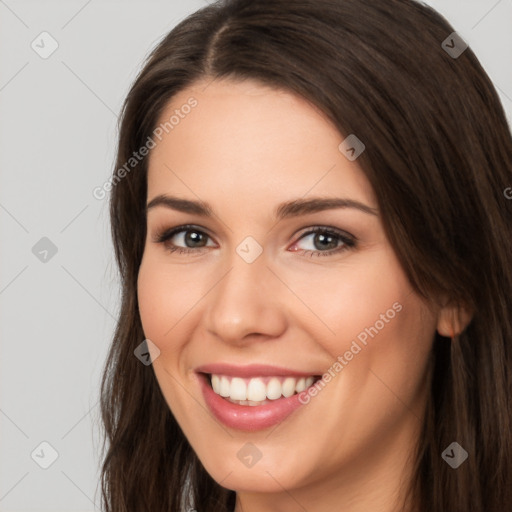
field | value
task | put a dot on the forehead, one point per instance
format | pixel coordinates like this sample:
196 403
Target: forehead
246 139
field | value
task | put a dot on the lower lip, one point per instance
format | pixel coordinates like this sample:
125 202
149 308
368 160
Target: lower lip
247 417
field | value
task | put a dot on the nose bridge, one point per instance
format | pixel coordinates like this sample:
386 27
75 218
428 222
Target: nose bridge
246 300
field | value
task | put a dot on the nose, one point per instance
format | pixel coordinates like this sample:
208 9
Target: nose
247 303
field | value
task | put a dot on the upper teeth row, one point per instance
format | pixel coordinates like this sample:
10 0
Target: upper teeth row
256 390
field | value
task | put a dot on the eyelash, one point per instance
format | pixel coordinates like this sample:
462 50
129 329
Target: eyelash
348 241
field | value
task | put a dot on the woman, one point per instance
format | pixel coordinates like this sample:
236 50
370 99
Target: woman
315 249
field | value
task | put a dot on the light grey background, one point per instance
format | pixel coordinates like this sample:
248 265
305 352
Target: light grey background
57 143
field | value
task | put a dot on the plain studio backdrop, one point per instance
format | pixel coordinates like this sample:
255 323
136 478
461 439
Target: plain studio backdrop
65 69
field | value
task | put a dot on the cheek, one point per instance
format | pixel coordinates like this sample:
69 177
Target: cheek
359 300
152 294
368 314
164 298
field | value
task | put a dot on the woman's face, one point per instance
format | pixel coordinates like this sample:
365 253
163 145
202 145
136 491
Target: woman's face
252 294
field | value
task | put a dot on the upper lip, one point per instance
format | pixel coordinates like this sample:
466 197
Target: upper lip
251 370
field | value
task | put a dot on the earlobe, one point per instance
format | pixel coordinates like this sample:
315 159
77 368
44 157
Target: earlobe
452 320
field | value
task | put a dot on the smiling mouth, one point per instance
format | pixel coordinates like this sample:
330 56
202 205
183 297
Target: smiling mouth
258 390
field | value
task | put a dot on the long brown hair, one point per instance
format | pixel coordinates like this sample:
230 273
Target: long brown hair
439 158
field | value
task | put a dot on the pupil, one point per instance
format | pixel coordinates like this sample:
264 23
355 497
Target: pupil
192 238
325 238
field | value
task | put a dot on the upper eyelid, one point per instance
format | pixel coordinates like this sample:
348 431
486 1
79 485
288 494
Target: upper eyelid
170 232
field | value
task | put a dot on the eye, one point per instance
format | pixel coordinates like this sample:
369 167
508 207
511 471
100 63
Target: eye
184 239
325 241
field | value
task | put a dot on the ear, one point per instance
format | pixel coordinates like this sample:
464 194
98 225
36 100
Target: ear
452 320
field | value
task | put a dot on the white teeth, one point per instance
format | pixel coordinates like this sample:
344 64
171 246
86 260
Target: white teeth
274 389
238 389
224 387
301 385
246 402
258 390
216 384
289 386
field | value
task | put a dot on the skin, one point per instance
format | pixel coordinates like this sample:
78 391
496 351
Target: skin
244 149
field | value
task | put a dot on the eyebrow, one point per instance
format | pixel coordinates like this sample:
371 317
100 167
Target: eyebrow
285 210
